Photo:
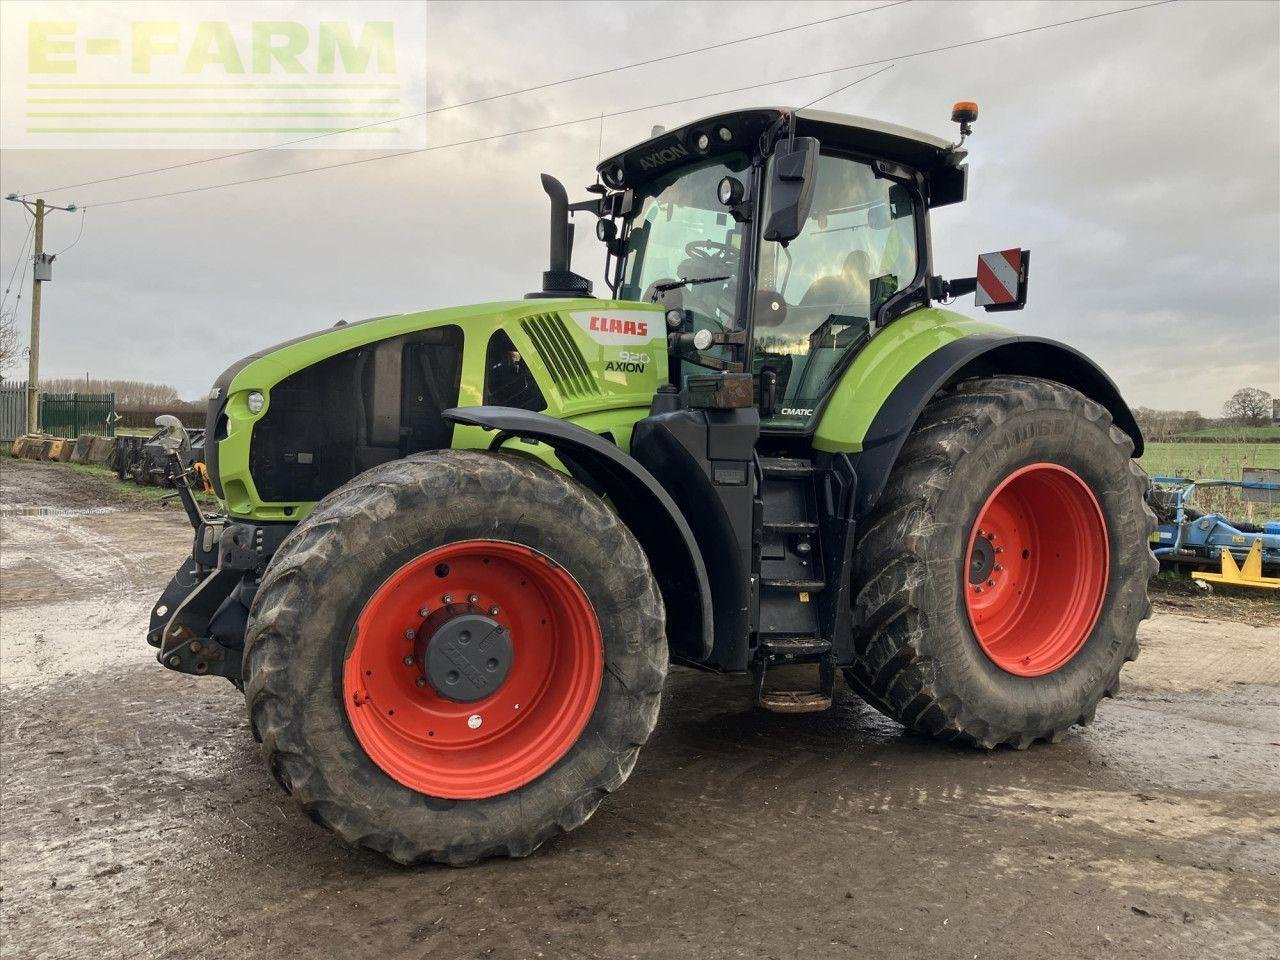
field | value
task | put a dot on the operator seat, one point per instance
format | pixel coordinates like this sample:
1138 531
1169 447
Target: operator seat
852 285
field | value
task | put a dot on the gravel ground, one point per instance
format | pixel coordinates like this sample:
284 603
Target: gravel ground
137 819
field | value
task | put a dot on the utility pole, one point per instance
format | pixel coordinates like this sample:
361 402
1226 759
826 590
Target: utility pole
42 270
33 357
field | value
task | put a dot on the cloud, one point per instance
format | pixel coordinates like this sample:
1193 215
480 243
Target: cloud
1137 156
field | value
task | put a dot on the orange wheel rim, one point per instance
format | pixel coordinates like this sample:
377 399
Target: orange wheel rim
528 693
1036 570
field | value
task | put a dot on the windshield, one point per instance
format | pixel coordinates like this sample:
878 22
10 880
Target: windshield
680 231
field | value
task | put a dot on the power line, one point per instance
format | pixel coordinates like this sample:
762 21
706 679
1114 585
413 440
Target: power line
845 87
22 253
478 100
618 113
79 234
439 146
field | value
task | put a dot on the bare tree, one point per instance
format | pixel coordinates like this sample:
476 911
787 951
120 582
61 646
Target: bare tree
10 340
129 393
1248 406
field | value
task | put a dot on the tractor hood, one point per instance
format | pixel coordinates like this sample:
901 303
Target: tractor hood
292 422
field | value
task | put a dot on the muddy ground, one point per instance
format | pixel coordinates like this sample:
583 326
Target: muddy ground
137 818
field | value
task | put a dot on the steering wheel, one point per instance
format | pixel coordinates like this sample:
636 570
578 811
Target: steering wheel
708 251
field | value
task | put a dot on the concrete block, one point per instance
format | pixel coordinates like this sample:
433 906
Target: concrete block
101 449
80 452
54 452
68 448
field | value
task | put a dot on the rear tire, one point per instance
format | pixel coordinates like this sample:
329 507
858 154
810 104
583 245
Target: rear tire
925 654
309 622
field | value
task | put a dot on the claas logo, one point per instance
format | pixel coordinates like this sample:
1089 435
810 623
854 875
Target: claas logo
628 328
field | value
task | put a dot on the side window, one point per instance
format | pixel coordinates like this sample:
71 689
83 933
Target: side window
817 295
507 380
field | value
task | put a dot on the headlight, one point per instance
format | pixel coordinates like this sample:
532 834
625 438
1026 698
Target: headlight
255 402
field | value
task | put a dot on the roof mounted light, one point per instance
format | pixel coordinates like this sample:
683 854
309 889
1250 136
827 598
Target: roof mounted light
702 142
964 112
725 134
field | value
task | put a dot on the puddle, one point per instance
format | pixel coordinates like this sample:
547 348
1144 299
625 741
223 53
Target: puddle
29 511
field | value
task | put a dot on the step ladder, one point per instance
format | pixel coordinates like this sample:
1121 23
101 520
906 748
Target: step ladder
791 574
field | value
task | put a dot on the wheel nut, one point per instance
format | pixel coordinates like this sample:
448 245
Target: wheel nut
421 682
410 634
408 661
998 567
493 611
473 598
447 599
991 583
982 533
474 721
977 589
423 612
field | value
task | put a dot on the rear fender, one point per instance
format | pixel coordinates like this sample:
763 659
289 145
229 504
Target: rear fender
980 354
644 506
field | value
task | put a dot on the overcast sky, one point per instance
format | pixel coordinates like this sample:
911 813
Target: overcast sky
1137 156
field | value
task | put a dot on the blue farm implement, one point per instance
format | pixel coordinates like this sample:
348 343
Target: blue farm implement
1187 538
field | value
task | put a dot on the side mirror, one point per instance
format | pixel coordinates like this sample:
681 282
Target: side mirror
1002 280
791 183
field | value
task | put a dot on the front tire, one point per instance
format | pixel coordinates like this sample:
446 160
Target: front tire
423 752
1001 577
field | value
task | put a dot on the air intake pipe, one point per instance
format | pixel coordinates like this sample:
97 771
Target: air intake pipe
559 280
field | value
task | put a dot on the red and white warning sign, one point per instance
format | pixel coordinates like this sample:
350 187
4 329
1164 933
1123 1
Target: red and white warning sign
1000 278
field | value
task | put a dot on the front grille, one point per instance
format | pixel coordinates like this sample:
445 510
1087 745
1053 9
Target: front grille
568 368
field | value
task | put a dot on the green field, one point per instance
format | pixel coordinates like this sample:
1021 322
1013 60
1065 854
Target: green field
1231 433
1216 461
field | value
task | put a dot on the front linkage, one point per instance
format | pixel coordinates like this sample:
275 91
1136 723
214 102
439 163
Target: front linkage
199 621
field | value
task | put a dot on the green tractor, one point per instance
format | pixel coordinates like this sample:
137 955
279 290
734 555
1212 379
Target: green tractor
461 547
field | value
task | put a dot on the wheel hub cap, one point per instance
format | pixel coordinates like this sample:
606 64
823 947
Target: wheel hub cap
464 655
473 669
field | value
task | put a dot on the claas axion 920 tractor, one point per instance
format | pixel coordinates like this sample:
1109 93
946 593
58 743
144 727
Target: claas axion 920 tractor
461 547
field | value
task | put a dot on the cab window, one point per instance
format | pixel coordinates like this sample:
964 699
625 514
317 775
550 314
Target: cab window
816 296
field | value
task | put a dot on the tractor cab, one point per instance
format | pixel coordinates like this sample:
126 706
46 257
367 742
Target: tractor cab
778 242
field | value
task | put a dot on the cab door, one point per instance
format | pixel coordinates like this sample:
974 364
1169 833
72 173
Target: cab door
816 297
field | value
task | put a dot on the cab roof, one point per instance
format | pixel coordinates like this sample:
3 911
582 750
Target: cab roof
888 141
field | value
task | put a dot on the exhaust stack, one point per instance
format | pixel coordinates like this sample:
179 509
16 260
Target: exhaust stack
559 280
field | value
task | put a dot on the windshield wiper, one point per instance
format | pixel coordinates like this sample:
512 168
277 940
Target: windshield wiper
691 281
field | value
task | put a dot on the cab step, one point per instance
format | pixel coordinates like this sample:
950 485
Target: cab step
795 701
793 648
787 468
793 585
791 526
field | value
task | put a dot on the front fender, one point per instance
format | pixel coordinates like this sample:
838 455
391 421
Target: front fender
646 509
